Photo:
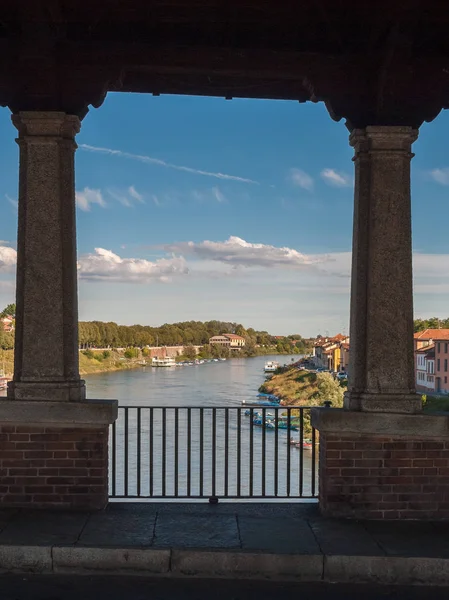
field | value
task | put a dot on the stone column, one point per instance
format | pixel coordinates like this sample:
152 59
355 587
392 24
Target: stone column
46 348
381 355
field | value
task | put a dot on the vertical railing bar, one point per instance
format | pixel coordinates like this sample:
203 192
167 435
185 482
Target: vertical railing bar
214 450
313 460
289 450
264 413
301 452
114 458
251 452
176 449
189 451
239 452
276 452
151 440
139 447
164 451
226 466
126 451
201 451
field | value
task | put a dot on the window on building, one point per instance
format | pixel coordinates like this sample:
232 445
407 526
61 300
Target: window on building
445 348
445 380
439 349
445 364
438 364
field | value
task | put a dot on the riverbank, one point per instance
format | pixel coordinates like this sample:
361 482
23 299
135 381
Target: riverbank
96 362
303 388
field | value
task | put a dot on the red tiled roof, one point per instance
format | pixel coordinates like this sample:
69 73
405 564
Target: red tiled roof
339 337
432 334
426 348
345 346
233 336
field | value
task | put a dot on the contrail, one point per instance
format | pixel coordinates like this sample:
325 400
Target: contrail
156 161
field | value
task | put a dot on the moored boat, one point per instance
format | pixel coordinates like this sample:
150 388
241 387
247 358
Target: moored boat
271 366
163 362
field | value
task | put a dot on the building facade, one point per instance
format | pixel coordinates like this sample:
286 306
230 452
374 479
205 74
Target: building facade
228 340
425 369
442 364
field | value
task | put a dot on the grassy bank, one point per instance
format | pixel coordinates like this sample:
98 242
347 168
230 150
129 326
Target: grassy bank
102 362
97 362
302 388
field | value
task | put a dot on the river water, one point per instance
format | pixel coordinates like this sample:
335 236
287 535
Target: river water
206 446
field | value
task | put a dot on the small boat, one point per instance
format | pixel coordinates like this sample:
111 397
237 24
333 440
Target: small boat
271 366
306 444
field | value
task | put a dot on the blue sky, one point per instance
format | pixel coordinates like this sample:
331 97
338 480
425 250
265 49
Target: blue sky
202 208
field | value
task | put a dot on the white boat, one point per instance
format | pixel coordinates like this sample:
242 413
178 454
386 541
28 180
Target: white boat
271 366
163 362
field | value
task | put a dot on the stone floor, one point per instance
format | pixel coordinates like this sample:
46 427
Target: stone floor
277 541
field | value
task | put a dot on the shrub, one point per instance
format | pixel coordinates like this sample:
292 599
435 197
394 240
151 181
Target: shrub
88 353
106 354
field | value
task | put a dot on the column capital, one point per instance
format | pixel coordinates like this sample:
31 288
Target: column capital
46 124
383 138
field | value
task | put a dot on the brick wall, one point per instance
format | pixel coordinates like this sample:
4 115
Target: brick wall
49 467
384 478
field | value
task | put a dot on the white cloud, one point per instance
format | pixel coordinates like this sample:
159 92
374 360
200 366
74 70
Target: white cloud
218 195
8 258
162 163
238 252
87 197
336 178
440 175
104 265
135 194
301 179
207 195
14 203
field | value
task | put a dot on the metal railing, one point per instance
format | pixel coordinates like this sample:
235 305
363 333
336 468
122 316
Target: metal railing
213 452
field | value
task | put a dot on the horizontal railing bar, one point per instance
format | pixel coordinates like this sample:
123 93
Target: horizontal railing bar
218 407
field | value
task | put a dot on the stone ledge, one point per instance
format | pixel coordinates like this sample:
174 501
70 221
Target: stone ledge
91 413
418 426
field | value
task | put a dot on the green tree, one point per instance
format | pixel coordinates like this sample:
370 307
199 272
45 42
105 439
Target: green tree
189 352
8 311
329 390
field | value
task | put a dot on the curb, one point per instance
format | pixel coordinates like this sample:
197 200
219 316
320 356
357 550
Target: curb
85 560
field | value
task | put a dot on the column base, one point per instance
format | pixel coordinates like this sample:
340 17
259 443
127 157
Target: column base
55 455
383 466
64 391
383 403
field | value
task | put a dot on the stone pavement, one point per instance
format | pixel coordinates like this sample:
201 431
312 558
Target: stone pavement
228 540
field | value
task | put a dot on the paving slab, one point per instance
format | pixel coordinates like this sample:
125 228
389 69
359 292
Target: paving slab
296 510
25 559
115 560
277 535
402 538
239 564
120 529
344 537
43 528
386 570
196 531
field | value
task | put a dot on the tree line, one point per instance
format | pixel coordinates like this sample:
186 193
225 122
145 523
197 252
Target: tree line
97 334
